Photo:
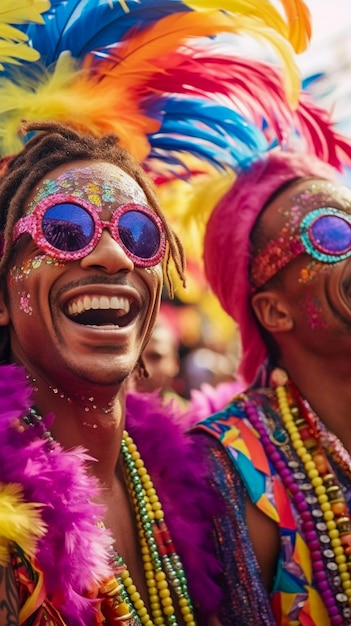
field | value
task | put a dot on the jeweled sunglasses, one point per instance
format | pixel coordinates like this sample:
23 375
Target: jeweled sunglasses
69 228
324 234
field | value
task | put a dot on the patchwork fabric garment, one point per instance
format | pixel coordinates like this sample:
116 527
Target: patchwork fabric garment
297 593
48 518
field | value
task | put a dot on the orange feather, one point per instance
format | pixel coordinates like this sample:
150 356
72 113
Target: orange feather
299 21
135 57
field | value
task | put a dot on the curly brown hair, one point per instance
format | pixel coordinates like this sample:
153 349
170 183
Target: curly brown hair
54 144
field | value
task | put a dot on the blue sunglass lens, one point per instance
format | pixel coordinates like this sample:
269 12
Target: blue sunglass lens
139 234
68 227
331 234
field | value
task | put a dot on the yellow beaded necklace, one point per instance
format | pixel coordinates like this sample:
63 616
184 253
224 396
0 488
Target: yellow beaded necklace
120 600
305 441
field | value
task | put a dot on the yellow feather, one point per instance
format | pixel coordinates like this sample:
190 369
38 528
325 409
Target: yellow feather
297 29
188 206
72 96
11 38
11 52
20 522
264 10
9 32
22 11
291 74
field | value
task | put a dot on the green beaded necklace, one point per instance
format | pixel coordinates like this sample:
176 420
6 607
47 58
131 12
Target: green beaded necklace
163 569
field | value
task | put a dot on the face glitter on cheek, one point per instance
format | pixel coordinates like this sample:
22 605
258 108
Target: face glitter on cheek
312 270
24 303
313 311
21 272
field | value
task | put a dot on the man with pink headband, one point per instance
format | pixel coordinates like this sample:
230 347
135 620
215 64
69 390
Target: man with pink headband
278 255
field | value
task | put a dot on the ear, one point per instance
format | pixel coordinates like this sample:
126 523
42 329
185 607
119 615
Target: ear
272 312
4 311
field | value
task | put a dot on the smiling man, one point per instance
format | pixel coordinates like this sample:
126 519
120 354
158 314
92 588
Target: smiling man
88 533
278 255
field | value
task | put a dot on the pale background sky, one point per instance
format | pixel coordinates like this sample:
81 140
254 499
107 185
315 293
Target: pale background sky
330 53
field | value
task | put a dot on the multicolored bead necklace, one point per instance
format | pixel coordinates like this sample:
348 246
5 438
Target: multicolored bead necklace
120 602
315 491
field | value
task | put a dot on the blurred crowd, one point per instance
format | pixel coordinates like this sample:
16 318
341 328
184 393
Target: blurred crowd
190 358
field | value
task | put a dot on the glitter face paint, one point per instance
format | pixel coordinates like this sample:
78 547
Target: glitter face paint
313 311
19 273
24 303
312 270
323 197
87 184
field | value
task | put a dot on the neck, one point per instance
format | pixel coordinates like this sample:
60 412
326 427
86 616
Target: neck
95 422
328 391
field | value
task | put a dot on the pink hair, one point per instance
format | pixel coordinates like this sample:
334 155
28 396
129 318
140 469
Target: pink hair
227 241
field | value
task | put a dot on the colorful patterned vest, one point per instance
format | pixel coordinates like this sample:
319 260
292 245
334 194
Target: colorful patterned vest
295 598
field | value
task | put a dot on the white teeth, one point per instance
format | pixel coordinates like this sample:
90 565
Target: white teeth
105 302
114 303
86 303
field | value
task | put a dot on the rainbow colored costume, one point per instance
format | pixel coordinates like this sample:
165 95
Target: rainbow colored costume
309 500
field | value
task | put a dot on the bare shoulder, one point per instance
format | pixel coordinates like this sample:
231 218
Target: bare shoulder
265 539
8 597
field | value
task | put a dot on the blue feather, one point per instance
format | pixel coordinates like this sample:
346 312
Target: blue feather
207 130
310 80
82 26
222 119
169 150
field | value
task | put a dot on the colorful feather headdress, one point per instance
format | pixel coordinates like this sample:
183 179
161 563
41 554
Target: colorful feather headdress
168 78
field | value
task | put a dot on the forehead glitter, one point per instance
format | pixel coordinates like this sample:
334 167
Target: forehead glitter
79 183
324 232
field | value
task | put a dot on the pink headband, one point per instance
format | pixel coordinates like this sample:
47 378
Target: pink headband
227 248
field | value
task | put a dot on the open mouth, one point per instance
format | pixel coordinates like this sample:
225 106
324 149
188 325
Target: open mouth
101 311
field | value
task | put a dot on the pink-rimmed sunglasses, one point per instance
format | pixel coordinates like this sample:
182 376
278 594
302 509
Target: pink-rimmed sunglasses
69 228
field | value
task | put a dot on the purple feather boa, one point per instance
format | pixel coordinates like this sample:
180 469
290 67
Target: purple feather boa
73 555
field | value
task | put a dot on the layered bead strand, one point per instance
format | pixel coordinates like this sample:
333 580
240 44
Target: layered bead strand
307 521
163 568
328 491
330 506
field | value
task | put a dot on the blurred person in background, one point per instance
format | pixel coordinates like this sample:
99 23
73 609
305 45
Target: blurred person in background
161 360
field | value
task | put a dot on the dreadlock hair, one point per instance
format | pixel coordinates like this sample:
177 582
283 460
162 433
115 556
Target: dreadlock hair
55 144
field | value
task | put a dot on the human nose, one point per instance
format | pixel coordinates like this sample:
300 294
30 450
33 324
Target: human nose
107 255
